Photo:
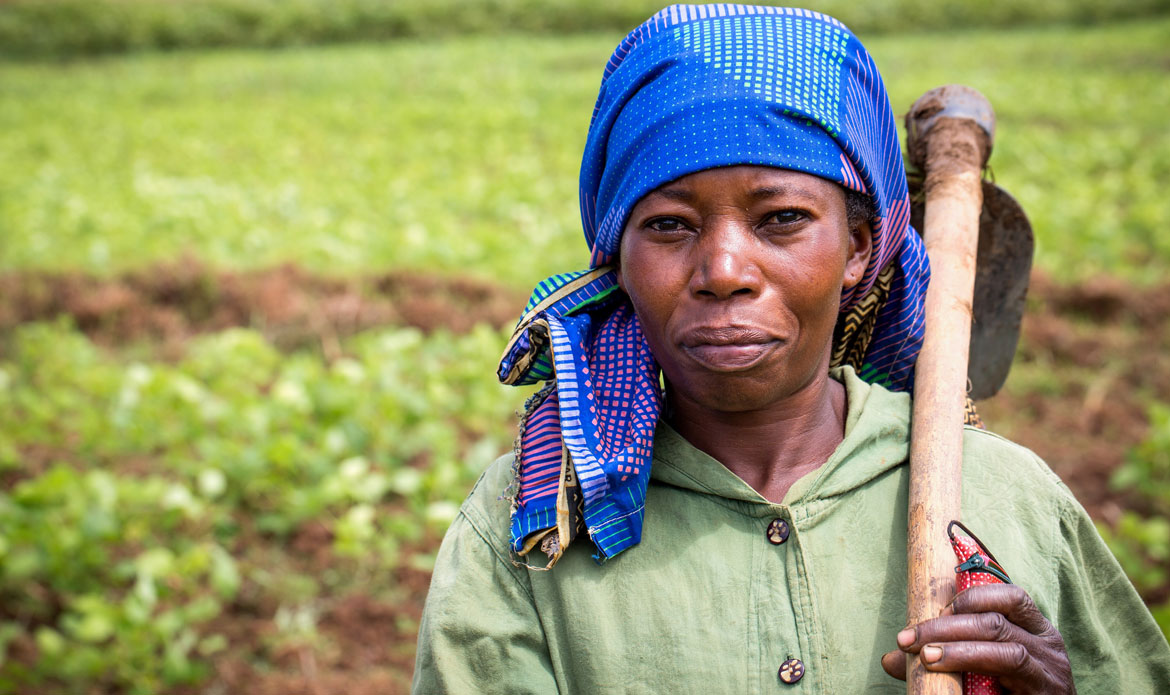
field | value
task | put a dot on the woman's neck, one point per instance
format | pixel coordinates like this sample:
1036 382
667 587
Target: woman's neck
773 448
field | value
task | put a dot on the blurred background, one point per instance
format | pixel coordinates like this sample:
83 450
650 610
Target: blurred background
258 259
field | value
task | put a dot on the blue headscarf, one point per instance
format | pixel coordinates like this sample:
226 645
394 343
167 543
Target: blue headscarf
694 87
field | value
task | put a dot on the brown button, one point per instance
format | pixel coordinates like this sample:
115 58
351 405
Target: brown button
777 531
791 671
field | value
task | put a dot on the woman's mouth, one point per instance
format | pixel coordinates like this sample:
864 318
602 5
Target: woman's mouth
728 349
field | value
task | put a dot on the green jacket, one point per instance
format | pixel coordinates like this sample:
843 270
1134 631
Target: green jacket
707 604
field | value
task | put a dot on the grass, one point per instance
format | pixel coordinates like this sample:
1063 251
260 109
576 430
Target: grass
65 28
462 155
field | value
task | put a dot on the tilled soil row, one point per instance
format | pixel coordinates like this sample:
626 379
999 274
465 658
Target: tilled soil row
168 304
1098 350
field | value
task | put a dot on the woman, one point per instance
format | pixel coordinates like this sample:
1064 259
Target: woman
710 492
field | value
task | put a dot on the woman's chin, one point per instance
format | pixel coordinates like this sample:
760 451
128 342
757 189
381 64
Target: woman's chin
734 392
748 390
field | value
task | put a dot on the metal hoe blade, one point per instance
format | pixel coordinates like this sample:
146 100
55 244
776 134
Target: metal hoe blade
1002 270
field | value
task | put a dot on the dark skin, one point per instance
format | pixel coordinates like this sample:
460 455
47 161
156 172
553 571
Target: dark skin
736 275
995 630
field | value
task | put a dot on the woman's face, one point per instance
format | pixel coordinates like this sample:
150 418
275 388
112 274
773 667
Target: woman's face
736 274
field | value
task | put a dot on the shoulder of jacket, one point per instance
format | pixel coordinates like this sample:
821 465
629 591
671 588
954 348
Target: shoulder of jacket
488 507
991 454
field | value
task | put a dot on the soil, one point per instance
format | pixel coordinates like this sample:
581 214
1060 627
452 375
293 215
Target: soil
168 304
363 645
1090 360
1099 348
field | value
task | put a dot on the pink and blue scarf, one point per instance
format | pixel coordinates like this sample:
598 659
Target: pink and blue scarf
694 87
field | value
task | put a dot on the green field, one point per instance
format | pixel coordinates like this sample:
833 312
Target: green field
153 503
71 28
462 155
142 500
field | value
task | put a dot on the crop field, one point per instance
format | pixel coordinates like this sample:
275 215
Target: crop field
71 28
251 302
462 155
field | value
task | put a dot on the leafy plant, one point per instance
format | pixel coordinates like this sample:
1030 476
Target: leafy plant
149 495
1141 541
1142 546
1146 472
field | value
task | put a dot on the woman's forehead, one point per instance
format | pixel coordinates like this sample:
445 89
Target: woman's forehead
747 182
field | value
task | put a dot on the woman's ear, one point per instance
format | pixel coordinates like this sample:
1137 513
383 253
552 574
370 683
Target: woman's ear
860 249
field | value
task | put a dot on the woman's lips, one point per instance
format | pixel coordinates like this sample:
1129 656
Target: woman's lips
728 349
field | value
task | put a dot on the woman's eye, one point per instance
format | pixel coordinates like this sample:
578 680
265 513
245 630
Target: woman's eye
785 217
666 224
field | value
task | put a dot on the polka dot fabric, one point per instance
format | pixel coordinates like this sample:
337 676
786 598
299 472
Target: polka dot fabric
693 88
703 86
964 547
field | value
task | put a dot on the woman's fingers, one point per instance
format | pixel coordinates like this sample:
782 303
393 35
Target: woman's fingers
894 664
1010 661
1007 599
995 630
987 627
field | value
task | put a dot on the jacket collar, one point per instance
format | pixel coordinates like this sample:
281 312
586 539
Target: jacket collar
877 439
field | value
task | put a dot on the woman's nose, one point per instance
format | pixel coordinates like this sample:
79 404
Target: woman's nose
726 266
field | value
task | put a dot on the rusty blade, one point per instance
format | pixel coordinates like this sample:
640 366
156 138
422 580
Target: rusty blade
1002 270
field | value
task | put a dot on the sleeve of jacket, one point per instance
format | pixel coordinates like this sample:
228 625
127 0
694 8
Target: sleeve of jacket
1114 645
480 632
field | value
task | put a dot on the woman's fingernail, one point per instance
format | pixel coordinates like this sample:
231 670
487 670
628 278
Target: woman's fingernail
906 638
931 654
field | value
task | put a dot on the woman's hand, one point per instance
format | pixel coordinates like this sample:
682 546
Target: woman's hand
995 630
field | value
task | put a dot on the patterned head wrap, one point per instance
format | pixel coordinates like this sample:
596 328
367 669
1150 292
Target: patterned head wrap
697 87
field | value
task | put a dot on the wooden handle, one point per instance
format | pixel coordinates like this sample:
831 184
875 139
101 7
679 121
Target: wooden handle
953 153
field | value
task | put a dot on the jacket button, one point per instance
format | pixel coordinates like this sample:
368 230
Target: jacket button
791 671
777 531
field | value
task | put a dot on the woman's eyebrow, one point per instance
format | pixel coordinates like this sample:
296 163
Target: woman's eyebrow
686 195
765 192
680 194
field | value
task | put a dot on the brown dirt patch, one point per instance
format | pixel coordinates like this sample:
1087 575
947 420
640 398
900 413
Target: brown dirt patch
1091 359
364 645
168 304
